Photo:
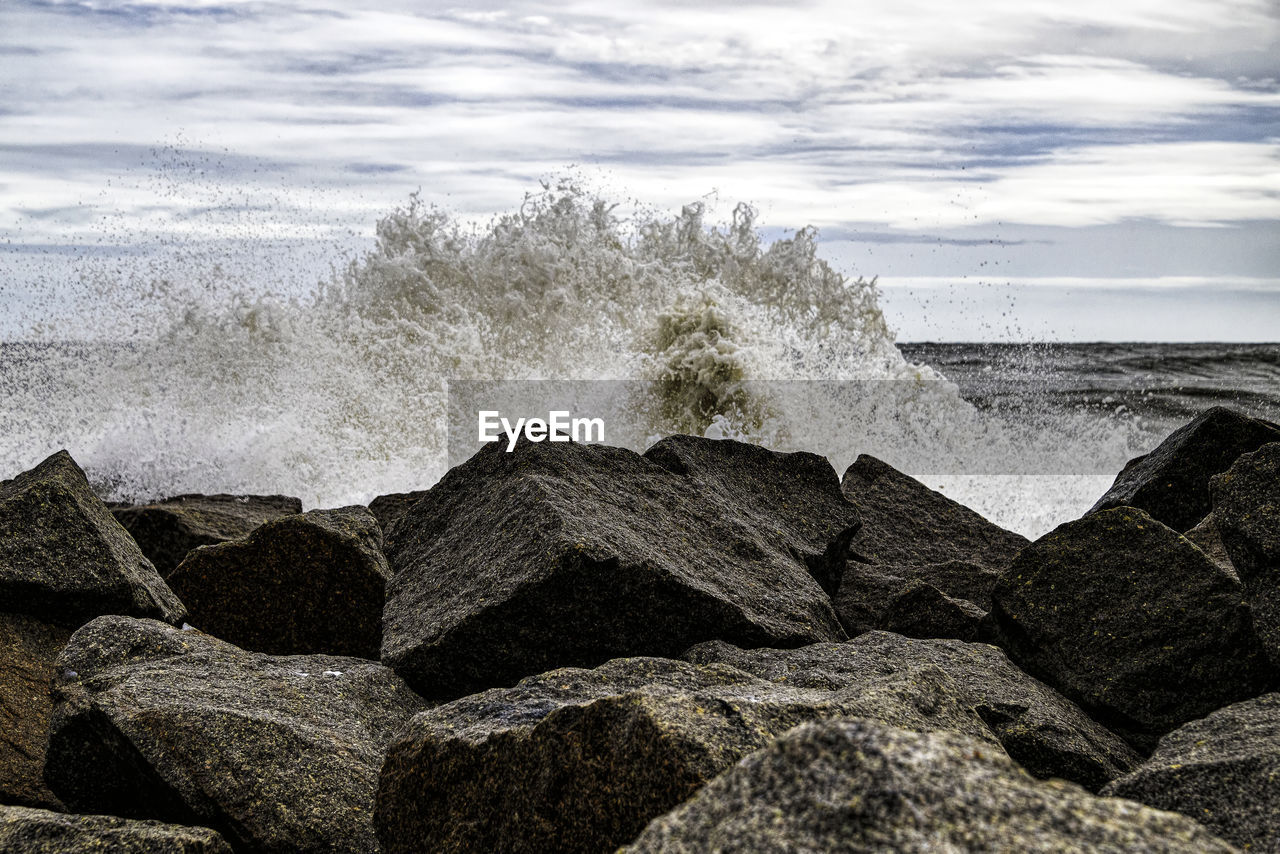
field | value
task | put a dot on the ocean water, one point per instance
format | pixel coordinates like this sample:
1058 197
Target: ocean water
666 323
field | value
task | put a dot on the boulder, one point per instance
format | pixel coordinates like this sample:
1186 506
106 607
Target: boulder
911 534
565 554
387 509
858 786
1172 482
1207 538
36 831
947 599
1049 735
1246 502
166 530
921 610
313 582
1222 771
581 760
64 559
28 649
1125 616
905 523
277 753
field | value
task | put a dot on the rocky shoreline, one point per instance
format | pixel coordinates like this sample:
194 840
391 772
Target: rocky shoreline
706 647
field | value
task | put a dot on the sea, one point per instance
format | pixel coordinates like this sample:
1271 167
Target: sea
659 323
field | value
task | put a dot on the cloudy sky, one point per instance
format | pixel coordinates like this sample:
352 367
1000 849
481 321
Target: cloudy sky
1009 168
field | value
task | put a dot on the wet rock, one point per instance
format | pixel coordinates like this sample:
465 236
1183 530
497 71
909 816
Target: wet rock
569 554
36 831
313 582
277 753
166 530
1206 537
580 760
64 559
1049 735
923 611
388 509
28 649
911 534
905 523
1172 482
1246 502
947 599
1128 618
1221 771
858 786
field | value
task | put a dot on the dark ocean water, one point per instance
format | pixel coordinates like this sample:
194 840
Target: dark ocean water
1162 385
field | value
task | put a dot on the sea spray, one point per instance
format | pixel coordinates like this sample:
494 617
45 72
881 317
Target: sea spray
342 393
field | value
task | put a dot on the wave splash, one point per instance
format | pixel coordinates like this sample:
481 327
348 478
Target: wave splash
341 394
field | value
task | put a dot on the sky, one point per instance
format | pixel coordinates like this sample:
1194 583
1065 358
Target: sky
1010 169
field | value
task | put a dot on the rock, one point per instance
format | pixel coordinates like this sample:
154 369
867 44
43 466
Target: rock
563 554
1128 618
1207 538
897 598
313 582
64 559
387 509
905 523
923 611
580 760
1222 771
166 530
909 534
28 649
277 753
1246 502
36 831
857 786
1049 735
1172 482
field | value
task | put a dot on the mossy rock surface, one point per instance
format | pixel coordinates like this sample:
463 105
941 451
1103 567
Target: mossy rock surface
1222 770
1172 482
581 760
65 559
563 554
276 753
859 786
1127 617
28 649
166 530
314 582
1045 732
1246 512
37 831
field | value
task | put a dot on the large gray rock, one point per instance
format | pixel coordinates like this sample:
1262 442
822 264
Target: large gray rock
921 564
64 559
36 831
388 509
570 554
313 582
1172 482
28 649
166 530
1222 771
1246 501
277 753
580 760
1047 734
857 786
1128 618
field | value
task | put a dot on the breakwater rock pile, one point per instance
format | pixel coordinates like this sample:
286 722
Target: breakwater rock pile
706 647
